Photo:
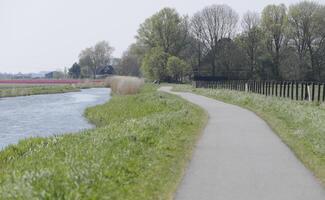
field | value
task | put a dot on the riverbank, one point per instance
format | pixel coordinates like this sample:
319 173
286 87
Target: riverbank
299 124
138 151
14 90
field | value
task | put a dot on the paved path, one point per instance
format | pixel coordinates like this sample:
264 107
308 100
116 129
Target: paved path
239 158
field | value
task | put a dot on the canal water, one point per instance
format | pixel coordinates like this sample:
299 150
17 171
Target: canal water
46 115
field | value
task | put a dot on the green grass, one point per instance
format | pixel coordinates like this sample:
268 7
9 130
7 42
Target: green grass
26 90
301 125
138 150
13 90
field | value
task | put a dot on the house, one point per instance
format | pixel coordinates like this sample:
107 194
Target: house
54 75
49 75
104 71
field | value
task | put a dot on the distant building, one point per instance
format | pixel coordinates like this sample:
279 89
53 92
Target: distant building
21 76
49 75
54 75
104 71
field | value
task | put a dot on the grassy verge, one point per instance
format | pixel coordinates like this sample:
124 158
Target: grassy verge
138 151
301 125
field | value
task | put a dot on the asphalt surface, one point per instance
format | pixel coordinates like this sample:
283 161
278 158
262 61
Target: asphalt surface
239 157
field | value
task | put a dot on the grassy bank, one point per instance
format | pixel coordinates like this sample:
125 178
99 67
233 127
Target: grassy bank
301 125
13 91
27 90
138 151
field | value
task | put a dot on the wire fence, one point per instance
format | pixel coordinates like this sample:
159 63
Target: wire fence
295 90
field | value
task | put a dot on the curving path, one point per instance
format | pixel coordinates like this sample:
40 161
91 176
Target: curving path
240 158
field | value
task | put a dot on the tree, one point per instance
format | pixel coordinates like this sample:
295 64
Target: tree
274 23
230 60
307 21
75 71
166 29
177 68
129 64
58 75
212 24
250 41
154 64
94 57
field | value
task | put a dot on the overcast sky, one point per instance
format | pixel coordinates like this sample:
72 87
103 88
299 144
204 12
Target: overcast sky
38 35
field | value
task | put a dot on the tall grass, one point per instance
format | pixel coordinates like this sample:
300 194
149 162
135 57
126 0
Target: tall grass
301 125
124 85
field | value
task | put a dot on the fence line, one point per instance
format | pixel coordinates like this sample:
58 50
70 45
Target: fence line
294 90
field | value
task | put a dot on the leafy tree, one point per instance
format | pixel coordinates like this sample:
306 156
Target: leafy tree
177 68
130 62
154 64
94 57
75 71
166 29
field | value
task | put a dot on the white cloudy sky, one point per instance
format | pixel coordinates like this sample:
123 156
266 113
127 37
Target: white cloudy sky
40 35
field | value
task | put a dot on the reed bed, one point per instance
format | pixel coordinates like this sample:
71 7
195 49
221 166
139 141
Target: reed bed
124 85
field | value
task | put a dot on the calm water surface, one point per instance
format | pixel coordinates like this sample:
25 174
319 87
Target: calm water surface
45 115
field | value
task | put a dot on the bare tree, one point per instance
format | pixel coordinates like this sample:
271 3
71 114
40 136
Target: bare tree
307 21
274 24
250 21
94 57
250 40
212 24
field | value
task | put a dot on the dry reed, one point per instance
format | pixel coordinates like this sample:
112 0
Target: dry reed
124 85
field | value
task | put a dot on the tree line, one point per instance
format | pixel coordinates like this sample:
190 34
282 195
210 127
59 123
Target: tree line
280 43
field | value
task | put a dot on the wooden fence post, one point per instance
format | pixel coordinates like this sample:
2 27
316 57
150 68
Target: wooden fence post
324 92
297 90
306 92
302 91
292 89
318 92
288 91
313 91
266 83
284 89
272 88
276 88
309 92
